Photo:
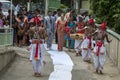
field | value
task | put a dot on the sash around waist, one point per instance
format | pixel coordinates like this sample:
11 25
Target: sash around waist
37 41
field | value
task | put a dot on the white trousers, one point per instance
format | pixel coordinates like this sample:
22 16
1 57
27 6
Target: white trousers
99 60
36 66
86 54
77 45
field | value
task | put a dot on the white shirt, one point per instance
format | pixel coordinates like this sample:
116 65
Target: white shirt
6 26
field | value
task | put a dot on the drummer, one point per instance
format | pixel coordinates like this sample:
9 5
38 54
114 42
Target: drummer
80 25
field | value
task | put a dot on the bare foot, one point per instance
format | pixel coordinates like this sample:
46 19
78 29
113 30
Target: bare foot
69 50
77 54
35 74
101 72
44 62
39 75
97 71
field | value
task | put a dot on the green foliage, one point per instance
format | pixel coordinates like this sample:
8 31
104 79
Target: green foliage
62 6
117 25
108 10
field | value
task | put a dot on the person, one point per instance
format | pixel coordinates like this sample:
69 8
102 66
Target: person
21 29
69 41
1 20
67 15
57 16
36 47
17 7
74 15
49 23
99 49
6 26
80 25
15 28
88 43
85 17
60 24
37 53
25 35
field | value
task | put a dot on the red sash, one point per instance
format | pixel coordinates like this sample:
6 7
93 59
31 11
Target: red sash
81 31
36 52
36 20
99 45
90 43
37 42
80 26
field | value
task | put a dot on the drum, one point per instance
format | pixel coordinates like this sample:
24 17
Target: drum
77 36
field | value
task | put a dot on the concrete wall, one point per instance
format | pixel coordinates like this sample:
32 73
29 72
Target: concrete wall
113 48
6 56
85 4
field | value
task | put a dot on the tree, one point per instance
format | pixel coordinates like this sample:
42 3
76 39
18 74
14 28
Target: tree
108 10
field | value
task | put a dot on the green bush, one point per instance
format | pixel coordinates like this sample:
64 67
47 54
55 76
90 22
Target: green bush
62 6
108 10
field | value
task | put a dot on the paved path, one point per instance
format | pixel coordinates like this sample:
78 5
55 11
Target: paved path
21 68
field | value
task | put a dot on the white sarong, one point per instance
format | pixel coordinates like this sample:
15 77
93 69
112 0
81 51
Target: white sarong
100 59
37 64
86 54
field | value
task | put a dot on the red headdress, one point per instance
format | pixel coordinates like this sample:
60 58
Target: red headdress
37 20
91 21
103 26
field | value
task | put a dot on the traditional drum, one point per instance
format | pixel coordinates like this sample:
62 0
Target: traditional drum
77 36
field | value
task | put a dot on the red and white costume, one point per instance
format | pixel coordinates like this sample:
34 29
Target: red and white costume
37 54
87 44
37 48
77 45
99 49
99 55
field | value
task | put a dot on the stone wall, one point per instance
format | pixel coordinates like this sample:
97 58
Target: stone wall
6 56
113 48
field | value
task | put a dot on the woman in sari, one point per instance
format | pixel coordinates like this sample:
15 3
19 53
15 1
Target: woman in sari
61 23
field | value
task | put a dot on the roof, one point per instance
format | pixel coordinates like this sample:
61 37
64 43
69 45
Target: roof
4 1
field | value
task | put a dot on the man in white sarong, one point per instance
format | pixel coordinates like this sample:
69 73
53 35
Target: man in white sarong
37 54
88 43
99 49
37 35
86 50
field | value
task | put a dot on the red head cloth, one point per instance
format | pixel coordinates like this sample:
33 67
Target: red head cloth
36 20
91 21
103 26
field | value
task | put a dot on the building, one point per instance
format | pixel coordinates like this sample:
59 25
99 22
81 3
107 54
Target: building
77 4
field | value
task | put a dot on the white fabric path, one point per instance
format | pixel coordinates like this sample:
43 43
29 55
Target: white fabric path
62 64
